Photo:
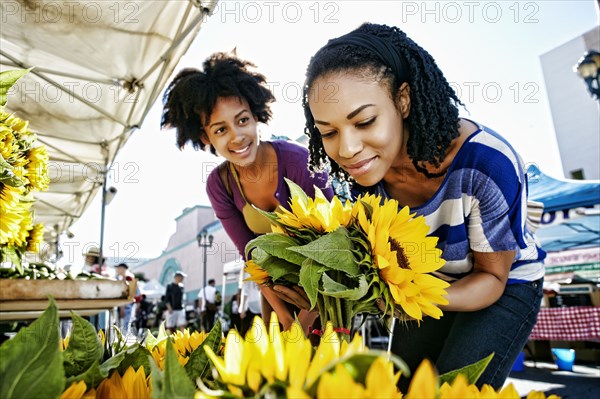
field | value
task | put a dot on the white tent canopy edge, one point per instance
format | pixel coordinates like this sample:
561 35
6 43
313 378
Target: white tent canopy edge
98 68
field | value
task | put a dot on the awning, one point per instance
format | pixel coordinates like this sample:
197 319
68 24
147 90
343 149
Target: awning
561 194
99 67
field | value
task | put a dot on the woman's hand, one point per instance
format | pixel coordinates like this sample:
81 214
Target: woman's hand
276 304
294 295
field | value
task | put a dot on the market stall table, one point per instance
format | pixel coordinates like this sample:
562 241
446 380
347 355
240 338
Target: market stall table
575 323
22 299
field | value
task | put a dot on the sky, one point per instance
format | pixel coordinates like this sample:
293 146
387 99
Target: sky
488 50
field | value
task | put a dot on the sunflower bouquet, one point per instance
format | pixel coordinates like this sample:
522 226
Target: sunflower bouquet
348 256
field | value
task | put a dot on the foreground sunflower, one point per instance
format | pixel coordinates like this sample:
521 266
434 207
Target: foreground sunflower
424 385
183 342
132 385
269 362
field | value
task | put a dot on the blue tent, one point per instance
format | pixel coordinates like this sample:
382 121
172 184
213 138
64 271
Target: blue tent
559 194
561 197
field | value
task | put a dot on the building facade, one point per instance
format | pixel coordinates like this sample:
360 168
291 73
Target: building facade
184 254
575 114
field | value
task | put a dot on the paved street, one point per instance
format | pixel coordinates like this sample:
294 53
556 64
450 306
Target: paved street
582 383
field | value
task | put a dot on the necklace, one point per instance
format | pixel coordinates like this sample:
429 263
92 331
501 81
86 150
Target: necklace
428 174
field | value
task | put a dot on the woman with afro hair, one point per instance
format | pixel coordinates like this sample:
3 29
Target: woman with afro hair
219 107
380 113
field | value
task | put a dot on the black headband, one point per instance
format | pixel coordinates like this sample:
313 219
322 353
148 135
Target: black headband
382 48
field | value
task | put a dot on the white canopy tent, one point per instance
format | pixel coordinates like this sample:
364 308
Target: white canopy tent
152 289
98 68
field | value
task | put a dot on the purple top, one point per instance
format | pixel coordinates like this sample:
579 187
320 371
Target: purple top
292 161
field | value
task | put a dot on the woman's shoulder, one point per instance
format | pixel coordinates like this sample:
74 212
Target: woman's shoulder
488 150
214 181
290 148
292 158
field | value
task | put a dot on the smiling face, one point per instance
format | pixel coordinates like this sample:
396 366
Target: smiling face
361 127
232 131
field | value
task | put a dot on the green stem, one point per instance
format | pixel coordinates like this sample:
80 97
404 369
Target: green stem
322 310
339 314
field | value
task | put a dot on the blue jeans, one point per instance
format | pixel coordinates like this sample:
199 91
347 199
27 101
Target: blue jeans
458 339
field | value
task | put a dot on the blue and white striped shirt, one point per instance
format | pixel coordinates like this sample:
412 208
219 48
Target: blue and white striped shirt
482 206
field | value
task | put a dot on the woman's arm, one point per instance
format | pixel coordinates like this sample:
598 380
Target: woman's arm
484 286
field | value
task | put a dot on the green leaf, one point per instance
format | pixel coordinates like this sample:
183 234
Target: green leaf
337 290
173 382
4 165
278 268
84 347
296 191
11 254
332 250
292 278
277 245
31 363
152 341
10 179
472 371
310 275
136 356
198 366
7 80
97 372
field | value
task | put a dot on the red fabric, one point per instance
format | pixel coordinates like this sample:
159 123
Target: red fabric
575 323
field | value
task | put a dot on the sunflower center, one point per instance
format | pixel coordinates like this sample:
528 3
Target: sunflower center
400 256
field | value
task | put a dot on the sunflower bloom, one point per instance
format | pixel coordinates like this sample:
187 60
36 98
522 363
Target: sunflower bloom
403 255
64 343
12 211
339 384
74 391
159 352
318 214
135 383
36 238
424 384
233 366
540 395
328 351
132 385
298 351
112 387
459 389
196 339
36 170
381 381
257 274
19 237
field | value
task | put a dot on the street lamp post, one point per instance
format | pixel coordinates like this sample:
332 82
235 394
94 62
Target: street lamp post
205 241
588 69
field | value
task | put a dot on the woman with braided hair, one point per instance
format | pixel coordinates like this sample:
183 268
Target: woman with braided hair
219 108
380 113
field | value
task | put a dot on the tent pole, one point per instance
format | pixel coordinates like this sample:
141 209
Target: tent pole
102 214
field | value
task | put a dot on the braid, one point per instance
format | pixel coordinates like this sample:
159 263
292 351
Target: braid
192 95
433 119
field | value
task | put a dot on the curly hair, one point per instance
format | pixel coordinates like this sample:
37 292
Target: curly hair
191 96
433 120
